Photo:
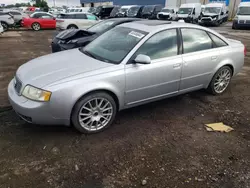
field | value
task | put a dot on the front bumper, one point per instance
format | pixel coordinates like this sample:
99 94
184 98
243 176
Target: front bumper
241 23
207 22
32 111
187 20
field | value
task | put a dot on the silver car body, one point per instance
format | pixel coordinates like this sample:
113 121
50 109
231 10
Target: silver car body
1 28
6 18
71 74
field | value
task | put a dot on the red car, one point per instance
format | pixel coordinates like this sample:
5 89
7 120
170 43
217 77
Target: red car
39 20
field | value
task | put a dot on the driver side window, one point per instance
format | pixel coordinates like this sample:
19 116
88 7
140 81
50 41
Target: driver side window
160 45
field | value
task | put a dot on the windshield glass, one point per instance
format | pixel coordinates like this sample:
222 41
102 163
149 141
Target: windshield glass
123 9
98 9
133 10
185 11
114 45
244 11
148 9
166 10
215 10
101 26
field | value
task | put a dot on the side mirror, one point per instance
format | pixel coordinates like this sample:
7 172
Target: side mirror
194 13
142 59
221 13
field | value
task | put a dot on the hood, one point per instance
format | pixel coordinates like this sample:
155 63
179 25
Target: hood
73 33
47 69
209 14
164 13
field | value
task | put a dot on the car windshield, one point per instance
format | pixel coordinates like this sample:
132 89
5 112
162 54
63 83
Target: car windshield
185 11
98 9
123 9
101 26
215 10
133 10
244 11
166 10
148 9
114 45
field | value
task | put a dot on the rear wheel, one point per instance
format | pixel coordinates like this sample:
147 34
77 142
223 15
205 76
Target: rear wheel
36 26
220 80
94 113
72 26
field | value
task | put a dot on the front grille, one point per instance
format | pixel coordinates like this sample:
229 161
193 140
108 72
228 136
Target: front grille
206 19
248 21
18 85
161 16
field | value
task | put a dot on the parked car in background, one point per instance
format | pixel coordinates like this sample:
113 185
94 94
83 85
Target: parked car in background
75 38
214 14
39 20
129 65
202 8
189 12
114 11
135 11
242 18
103 11
123 11
75 20
17 16
168 13
151 11
91 10
7 20
1 28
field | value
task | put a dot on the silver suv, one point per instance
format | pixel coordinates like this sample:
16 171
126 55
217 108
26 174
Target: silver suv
131 64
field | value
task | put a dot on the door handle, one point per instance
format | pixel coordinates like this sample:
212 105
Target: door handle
213 58
177 65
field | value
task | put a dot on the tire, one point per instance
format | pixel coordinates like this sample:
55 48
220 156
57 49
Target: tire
5 26
234 26
72 26
36 26
96 118
225 81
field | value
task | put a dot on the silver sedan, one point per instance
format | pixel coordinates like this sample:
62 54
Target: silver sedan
132 64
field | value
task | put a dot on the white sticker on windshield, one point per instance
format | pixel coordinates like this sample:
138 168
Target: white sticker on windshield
136 34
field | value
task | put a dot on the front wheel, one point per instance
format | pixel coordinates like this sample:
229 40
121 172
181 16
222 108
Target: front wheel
94 113
220 80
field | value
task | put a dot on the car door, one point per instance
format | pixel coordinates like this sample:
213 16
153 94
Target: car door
199 59
81 21
159 78
47 21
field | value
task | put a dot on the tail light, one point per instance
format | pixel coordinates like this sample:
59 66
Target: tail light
245 50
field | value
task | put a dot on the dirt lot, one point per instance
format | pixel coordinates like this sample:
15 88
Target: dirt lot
164 143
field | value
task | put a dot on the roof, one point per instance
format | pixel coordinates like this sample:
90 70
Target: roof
157 25
243 4
124 19
189 5
214 5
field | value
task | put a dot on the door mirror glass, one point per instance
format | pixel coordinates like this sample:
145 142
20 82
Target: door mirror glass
221 13
142 59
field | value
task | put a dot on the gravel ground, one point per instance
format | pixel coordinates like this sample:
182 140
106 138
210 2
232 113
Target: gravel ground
162 144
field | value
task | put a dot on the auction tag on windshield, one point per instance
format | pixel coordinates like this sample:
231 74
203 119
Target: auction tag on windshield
136 34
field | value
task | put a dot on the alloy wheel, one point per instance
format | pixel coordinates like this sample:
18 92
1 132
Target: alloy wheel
222 80
95 114
36 26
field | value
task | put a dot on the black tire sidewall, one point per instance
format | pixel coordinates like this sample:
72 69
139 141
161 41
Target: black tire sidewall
211 85
74 26
82 101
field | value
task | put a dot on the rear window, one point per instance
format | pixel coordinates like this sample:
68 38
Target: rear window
217 41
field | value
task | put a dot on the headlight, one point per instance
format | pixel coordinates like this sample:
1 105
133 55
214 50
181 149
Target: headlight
36 94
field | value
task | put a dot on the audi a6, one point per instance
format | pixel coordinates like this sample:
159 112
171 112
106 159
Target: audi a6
129 65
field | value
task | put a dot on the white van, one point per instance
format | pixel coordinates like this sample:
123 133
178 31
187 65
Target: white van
214 14
168 13
189 12
242 18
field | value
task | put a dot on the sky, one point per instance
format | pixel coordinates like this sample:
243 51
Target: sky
50 2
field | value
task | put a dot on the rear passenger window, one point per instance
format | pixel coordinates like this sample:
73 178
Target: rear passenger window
217 41
80 16
161 45
91 17
195 40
